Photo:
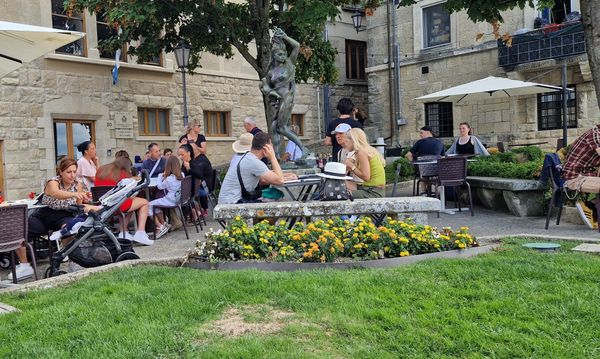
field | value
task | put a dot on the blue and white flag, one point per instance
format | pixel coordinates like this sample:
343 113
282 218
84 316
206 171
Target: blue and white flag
115 70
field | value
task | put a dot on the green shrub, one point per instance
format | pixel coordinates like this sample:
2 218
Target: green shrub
406 170
532 153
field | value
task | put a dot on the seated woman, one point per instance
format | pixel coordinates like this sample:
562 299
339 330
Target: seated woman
60 192
109 175
366 163
466 144
200 168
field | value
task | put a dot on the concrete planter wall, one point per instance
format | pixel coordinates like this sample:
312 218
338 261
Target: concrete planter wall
522 198
378 263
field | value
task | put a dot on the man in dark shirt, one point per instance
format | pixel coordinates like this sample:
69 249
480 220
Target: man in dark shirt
345 108
427 145
155 157
250 126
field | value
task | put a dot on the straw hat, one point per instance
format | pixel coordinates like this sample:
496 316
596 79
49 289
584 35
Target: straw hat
243 144
334 170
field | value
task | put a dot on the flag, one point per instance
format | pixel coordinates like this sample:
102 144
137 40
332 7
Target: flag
115 70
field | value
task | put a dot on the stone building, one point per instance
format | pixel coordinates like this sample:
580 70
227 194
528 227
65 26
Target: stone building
49 106
440 50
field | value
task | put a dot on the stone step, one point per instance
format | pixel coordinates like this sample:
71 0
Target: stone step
588 248
5 309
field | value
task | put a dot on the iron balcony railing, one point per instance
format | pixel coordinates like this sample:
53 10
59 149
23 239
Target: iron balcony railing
551 42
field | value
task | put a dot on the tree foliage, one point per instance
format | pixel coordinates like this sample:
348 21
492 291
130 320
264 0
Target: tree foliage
218 26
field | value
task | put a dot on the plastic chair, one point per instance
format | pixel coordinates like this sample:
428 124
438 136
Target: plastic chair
13 230
425 173
452 172
186 200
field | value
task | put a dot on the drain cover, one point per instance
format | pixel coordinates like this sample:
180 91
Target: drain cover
543 247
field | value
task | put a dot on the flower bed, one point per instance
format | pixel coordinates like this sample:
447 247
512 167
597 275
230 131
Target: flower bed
328 241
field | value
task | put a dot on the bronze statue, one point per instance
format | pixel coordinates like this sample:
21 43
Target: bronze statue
280 87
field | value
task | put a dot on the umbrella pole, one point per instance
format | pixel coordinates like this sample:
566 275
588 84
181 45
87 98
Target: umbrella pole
565 94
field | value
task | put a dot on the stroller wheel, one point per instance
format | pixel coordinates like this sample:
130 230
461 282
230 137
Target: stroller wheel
126 256
48 273
4 261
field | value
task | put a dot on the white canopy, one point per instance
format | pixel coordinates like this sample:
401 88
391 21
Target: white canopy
488 88
20 43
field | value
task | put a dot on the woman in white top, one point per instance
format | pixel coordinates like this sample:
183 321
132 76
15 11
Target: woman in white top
87 164
170 182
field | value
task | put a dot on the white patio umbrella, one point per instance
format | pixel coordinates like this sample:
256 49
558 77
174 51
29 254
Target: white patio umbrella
21 43
488 88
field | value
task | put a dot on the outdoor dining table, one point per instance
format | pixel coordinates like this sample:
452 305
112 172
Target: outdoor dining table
308 186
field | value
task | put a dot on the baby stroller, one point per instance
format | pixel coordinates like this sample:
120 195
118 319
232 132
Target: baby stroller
94 243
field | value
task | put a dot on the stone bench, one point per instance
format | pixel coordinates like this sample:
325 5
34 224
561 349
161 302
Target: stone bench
522 198
397 207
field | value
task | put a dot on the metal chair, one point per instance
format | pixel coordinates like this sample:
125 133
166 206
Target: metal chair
186 200
13 234
452 172
500 146
425 173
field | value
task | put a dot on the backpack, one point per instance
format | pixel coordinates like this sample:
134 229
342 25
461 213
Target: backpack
333 190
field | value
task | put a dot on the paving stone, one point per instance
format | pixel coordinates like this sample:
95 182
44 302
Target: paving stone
5 309
588 248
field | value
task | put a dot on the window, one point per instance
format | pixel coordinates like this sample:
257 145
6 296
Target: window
105 32
153 122
217 124
438 115
436 26
72 22
68 134
356 60
550 110
298 120
155 60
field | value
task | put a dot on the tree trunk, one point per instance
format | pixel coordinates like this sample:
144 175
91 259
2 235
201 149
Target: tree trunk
591 27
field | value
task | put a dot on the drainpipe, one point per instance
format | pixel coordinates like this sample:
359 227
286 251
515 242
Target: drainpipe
325 88
398 118
391 90
565 94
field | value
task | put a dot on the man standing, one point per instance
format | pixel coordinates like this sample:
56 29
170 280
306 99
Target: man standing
250 125
345 108
252 171
156 163
427 145
580 171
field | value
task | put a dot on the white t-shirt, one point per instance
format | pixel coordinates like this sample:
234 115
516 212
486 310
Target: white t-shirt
251 168
294 151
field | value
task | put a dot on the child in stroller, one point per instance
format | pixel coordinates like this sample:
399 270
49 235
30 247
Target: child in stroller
93 243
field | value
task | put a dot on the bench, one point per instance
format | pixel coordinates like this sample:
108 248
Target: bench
396 207
521 197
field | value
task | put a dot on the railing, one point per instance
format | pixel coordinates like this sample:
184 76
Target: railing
551 42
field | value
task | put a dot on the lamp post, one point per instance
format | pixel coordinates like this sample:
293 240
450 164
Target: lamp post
357 21
182 56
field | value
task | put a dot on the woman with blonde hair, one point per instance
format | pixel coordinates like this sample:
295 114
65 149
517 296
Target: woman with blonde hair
366 163
195 139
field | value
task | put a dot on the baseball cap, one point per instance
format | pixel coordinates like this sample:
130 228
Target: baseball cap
341 128
427 128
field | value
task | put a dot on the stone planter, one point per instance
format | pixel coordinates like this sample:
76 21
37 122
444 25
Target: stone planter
378 263
522 198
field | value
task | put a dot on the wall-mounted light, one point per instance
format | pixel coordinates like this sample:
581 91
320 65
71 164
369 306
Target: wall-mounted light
357 18
109 153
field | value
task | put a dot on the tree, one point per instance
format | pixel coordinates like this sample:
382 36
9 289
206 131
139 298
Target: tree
218 26
490 11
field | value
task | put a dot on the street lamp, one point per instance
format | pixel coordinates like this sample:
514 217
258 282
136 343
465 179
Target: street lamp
357 20
182 56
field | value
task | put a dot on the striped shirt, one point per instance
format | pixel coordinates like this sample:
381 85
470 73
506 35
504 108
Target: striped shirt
583 158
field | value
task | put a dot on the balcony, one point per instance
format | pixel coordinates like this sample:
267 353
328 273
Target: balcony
551 42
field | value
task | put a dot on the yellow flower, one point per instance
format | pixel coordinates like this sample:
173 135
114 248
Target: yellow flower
404 254
238 218
461 245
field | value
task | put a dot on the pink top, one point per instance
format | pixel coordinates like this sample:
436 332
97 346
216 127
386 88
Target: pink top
86 168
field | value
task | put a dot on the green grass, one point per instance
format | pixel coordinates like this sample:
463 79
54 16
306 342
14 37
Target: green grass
506 304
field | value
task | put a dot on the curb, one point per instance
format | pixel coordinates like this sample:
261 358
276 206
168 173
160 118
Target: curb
80 274
376 263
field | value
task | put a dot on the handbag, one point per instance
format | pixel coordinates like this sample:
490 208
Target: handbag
333 190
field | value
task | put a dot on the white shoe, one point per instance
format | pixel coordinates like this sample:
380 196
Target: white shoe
125 235
24 270
142 237
162 231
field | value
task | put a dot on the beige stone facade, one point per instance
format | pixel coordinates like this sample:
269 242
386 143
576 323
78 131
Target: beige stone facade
462 60
60 87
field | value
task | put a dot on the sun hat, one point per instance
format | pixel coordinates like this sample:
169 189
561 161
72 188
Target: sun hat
341 128
243 144
334 170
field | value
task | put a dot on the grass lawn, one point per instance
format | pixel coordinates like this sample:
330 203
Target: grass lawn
511 303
